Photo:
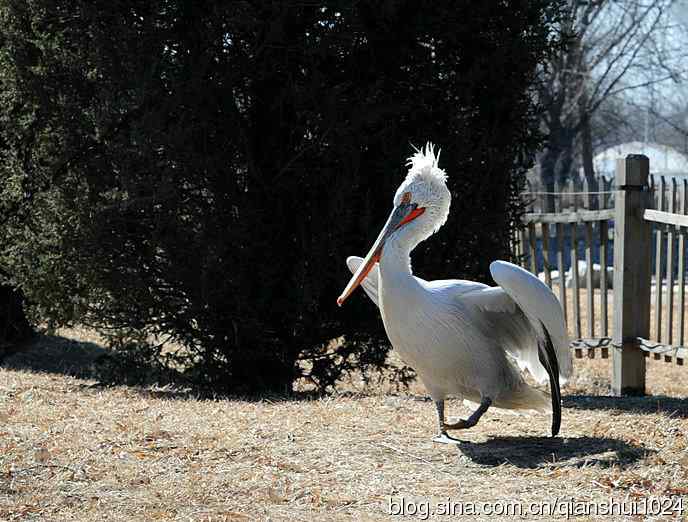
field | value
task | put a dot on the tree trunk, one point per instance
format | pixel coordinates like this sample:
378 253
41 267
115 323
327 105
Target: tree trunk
548 169
14 326
556 162
565 170
586 152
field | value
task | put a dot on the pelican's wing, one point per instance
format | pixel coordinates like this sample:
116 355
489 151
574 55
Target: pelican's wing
545 315
497 315
455 287
525 317
370 282
490 311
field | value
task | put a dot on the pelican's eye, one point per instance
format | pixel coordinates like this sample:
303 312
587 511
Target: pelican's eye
406 198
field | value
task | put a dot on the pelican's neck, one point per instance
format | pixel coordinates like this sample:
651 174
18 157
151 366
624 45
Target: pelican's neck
398 289
395 261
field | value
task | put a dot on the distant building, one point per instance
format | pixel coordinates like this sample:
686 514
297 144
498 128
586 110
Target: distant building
664 160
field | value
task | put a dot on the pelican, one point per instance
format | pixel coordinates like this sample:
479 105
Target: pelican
463 338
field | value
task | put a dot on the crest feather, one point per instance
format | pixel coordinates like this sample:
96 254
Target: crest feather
425 162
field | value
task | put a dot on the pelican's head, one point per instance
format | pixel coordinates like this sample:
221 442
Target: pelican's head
421 206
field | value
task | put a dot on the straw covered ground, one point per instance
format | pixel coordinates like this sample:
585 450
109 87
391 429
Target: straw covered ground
72 450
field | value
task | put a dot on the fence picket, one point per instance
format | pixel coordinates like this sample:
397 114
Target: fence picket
558 203
522 244
670 268
545 254
586 194
533 248
589 283
604 238
575 286
602 197
659 261
560 267
682 267
531 197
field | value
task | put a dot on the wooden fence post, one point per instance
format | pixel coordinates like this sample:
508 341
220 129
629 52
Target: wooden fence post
632 236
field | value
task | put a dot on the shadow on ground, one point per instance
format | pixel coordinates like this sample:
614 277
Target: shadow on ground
45 353
649 404
55 354
535 452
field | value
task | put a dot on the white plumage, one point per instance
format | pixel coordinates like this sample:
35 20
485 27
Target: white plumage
462 338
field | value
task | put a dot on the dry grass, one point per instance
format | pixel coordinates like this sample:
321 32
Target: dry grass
70 450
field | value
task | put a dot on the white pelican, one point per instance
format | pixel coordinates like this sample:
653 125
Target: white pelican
462 338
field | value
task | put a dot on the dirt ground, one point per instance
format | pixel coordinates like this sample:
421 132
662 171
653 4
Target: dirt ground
72 450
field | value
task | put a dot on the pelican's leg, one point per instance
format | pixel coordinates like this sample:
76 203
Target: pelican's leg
462 424
443 437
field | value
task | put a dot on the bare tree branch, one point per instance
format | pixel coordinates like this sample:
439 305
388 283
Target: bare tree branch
615 48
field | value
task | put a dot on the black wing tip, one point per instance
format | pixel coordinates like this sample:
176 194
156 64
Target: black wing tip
548 358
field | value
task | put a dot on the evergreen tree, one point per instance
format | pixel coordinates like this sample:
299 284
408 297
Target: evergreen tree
200 170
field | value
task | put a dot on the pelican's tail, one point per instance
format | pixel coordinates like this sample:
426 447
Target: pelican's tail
525 397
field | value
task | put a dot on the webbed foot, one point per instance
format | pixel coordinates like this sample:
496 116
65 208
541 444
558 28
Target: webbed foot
461 424
443 438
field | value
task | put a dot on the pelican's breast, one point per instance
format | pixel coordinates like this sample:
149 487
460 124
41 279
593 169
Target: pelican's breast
424 329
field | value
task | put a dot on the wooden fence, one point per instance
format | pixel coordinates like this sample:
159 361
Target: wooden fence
618 269
572 195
